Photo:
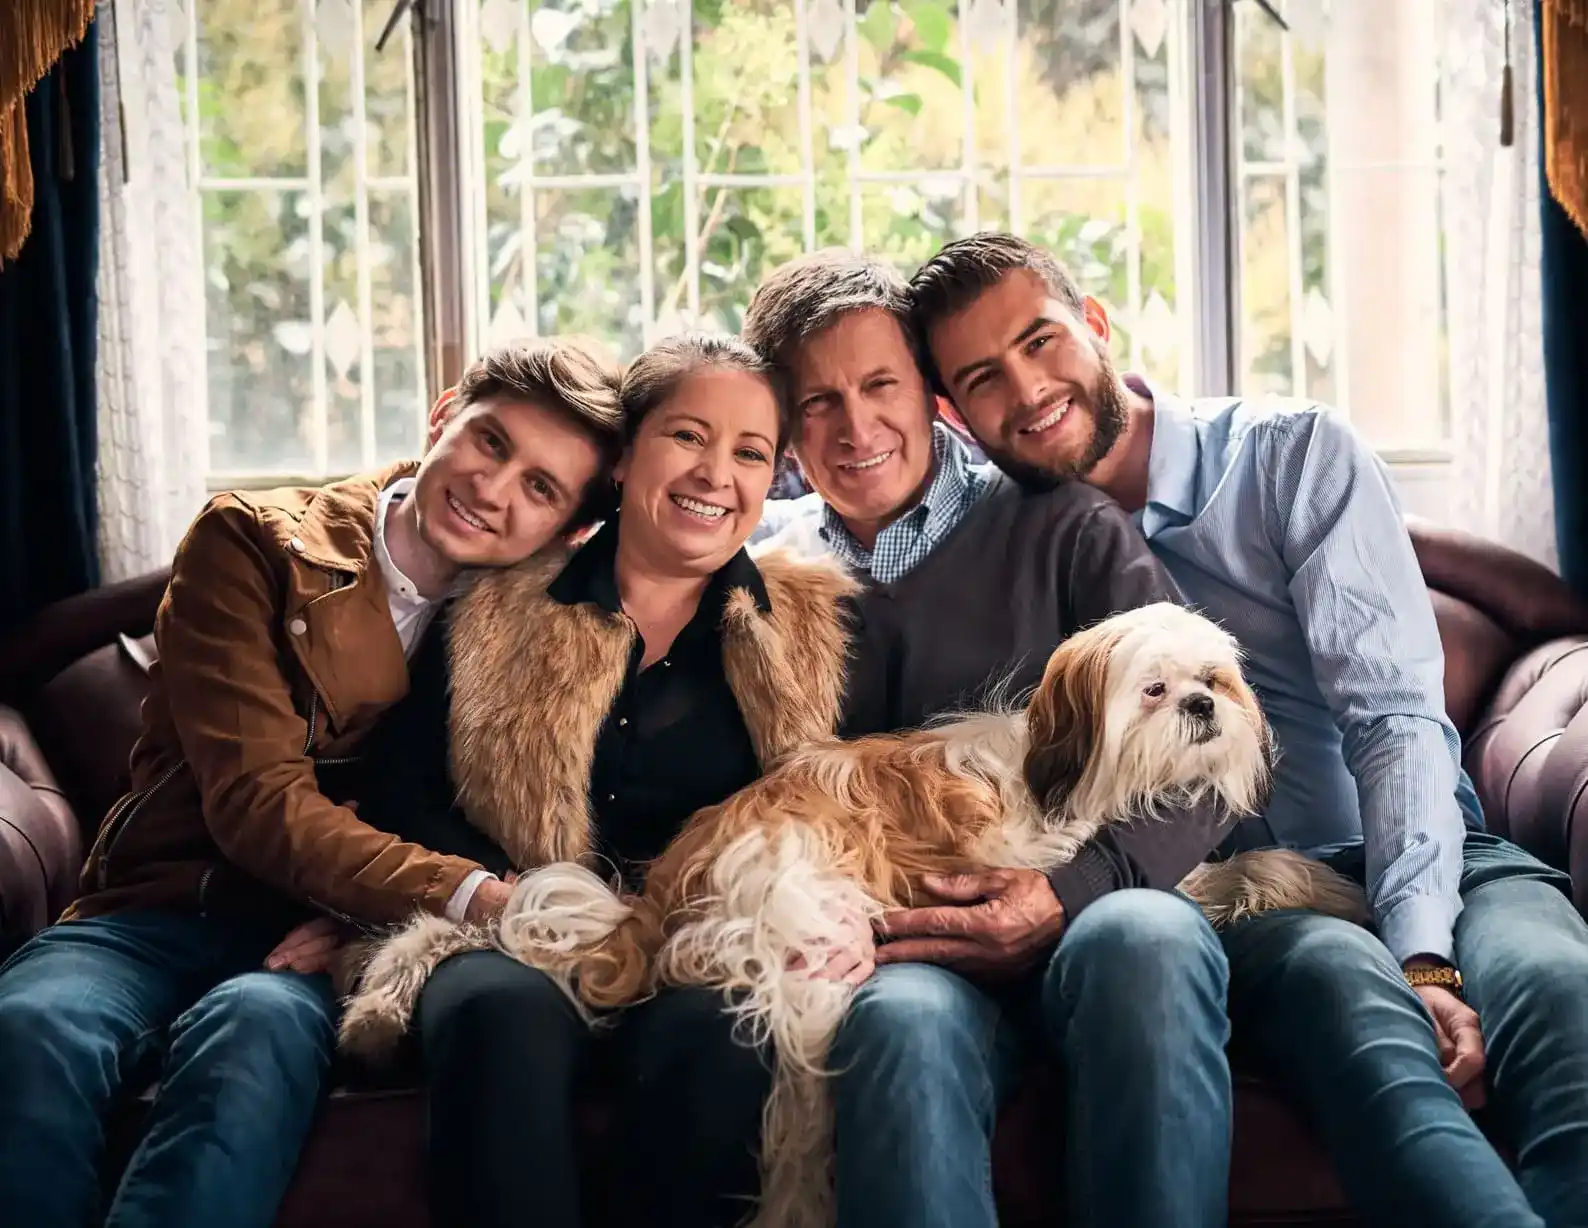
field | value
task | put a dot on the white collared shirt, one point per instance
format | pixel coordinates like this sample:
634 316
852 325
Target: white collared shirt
411 613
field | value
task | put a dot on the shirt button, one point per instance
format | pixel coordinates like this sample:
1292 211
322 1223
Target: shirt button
297 626
622 720
612 797
296 544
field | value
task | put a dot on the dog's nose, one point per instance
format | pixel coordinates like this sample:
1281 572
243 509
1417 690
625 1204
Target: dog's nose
1199 706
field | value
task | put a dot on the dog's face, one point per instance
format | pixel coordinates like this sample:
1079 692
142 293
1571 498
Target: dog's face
1148 701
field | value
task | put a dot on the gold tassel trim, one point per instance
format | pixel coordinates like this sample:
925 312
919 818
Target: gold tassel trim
33 33
1565 68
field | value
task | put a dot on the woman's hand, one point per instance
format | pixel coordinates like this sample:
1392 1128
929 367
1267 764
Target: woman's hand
310 947
852 960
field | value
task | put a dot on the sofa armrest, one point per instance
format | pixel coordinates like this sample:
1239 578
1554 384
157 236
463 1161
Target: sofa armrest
1528 757
41 848
61 633
1525 598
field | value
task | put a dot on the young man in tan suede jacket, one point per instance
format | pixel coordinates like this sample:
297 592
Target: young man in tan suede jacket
284 633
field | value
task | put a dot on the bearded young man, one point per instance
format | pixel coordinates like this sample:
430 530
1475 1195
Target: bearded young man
285 631
1277 520
971 582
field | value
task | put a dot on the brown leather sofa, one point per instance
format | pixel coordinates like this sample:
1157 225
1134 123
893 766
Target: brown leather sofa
1516 685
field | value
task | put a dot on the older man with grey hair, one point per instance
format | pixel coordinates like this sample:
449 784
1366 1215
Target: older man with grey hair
971 582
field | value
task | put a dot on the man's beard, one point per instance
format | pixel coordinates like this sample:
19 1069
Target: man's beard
1106 400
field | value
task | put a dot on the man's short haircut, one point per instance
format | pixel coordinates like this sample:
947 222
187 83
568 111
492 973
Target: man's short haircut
812 292
954 278
573 376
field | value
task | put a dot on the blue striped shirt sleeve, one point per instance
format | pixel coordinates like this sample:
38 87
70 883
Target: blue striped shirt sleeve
1378 661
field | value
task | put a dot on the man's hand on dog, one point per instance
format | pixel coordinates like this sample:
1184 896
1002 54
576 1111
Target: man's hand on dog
996 924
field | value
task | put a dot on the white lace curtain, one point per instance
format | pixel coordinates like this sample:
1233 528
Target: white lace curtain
152 440
1501 486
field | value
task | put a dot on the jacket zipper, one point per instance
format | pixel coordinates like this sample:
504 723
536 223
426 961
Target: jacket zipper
314 713
119 823
308 752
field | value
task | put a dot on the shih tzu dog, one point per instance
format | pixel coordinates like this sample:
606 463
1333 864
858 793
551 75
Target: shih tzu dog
1144 711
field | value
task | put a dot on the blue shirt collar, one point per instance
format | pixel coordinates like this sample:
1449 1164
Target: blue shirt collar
940 508
1173 463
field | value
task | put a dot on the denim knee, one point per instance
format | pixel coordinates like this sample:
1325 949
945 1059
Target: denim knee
1138 956
921 1041
267 1024
1331 964
913 1016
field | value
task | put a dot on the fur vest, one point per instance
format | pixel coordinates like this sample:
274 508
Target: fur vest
525 666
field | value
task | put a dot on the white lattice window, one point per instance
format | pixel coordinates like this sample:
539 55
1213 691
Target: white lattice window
630 167
1342 237
301 150
636 166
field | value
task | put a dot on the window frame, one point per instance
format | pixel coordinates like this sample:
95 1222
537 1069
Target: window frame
445 252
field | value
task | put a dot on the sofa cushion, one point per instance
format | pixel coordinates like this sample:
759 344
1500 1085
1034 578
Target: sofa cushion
1477 651
86 719
40 845
1529 756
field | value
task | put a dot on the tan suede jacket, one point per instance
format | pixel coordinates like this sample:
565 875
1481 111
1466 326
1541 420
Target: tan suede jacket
276 650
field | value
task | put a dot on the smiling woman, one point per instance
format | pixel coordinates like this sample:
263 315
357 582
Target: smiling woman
706 423
592 703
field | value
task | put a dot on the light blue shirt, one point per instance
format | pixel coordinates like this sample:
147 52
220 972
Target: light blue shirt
809 526
1278 521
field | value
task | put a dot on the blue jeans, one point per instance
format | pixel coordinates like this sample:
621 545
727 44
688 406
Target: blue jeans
1132 1004
1322 1008
90 1009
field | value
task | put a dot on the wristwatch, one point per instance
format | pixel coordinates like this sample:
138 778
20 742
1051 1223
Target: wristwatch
1442 975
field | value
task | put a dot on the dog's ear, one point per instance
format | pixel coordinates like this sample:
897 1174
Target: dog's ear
1251 794
1064 721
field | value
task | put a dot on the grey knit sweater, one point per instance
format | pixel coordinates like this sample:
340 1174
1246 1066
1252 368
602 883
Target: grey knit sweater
1020 573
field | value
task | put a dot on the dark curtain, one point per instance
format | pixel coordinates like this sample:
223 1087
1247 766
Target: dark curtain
48 309
1565 289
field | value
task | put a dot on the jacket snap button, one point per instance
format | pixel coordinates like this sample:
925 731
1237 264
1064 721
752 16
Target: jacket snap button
297 544
297 626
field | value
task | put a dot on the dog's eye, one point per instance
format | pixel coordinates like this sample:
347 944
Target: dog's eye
1154 690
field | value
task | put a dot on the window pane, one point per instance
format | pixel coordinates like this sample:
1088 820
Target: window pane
388 93
582 73
909 89
906 222
250 87
763 128
1265 287
259 331
1340 202
400 407
1072 83
745 234
1260 85
315 354
587 264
